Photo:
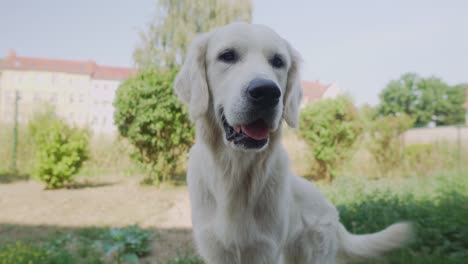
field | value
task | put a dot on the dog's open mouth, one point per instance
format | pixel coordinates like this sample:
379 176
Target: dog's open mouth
253 135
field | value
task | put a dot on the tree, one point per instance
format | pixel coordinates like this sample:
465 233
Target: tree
424 99
330 127
454 115
384 141
177 22
148 113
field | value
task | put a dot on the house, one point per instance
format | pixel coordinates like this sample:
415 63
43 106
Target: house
314 91
81 91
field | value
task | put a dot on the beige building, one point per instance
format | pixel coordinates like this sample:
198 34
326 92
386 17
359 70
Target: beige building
81 91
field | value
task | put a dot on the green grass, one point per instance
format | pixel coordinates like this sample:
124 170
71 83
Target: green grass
186 260
437 206
88 245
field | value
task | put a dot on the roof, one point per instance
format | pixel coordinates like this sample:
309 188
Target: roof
112 73
314 90
79 67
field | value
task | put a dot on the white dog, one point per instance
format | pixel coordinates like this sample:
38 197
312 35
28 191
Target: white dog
240 81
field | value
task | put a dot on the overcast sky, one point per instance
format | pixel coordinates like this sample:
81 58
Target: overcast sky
360 45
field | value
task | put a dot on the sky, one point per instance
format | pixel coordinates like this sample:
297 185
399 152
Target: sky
360 45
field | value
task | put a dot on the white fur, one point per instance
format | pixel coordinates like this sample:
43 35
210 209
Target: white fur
247 206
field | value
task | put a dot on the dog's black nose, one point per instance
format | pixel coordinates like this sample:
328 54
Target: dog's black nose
263 92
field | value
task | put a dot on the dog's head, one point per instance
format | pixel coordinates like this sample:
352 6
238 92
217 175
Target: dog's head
247 77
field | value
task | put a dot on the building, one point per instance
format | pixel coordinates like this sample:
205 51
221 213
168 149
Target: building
81 91
314 91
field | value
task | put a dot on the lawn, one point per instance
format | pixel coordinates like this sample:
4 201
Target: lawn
437 205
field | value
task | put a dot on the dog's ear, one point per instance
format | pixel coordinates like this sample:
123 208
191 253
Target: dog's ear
293 95
190 84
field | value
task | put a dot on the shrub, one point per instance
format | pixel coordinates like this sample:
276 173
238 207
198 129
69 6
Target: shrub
19 253
153 120
385 145
125 244
60 149
439 222
330 127
419 158
27 253
185 260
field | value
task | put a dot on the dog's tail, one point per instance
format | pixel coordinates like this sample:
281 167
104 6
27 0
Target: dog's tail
355 247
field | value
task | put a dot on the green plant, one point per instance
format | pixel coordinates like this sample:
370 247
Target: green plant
60 149
424 99
125 244
185 260
439 223
419 158
330 127
149 115
89 245
385 144
165 42
20 253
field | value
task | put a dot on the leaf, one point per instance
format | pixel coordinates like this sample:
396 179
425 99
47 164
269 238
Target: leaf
130 258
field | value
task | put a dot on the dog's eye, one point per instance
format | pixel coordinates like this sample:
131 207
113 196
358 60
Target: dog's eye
277 61
228 56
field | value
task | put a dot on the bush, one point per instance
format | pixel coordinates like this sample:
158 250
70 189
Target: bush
186 260
89 245
125 244
420 158
153 120
19 253
60 149
385 145
330 127
439 222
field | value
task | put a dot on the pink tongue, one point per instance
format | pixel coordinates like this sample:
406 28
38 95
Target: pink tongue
257 130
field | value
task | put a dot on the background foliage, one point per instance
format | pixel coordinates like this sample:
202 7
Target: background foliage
60 149
166 40
330 127
385 143
424 99
149 115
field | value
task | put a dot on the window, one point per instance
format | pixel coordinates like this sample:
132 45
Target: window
53 98
36 97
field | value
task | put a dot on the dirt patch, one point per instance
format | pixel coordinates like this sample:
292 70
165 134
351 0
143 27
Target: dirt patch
27 210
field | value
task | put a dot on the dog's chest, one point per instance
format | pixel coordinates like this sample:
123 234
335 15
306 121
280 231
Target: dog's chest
245 218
